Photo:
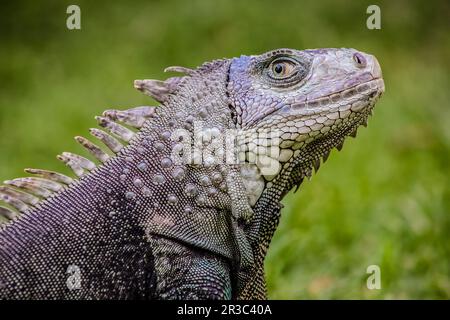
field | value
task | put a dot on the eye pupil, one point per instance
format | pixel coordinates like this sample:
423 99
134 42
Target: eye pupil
359 59
278 68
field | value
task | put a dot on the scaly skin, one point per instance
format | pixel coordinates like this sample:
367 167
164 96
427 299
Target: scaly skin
150 224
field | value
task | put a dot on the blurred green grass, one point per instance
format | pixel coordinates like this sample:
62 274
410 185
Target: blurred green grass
383 200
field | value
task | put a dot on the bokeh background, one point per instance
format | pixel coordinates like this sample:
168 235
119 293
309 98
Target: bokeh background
383 200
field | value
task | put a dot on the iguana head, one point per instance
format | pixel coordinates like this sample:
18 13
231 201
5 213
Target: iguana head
298 105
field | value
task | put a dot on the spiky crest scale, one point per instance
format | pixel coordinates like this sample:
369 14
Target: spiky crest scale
23 194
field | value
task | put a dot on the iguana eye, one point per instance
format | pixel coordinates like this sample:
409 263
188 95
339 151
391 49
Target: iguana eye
284 72
282 68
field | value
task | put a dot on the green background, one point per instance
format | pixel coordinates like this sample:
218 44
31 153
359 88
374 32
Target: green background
383 200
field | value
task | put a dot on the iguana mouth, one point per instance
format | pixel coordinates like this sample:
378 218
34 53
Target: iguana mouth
329 103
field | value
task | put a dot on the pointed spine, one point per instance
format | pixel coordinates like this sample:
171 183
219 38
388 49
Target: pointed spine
93 149
325 156
158 90
22 196
40 182
14 202
76 162
50 175
8 214
179 69
116 129
134 117
316 164
112 143
37 191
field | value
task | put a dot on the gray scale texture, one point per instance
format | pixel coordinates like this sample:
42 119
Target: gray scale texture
142 226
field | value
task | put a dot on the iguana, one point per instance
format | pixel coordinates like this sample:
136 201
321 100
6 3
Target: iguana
182 199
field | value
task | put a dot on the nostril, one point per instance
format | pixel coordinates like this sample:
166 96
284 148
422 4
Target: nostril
360 60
